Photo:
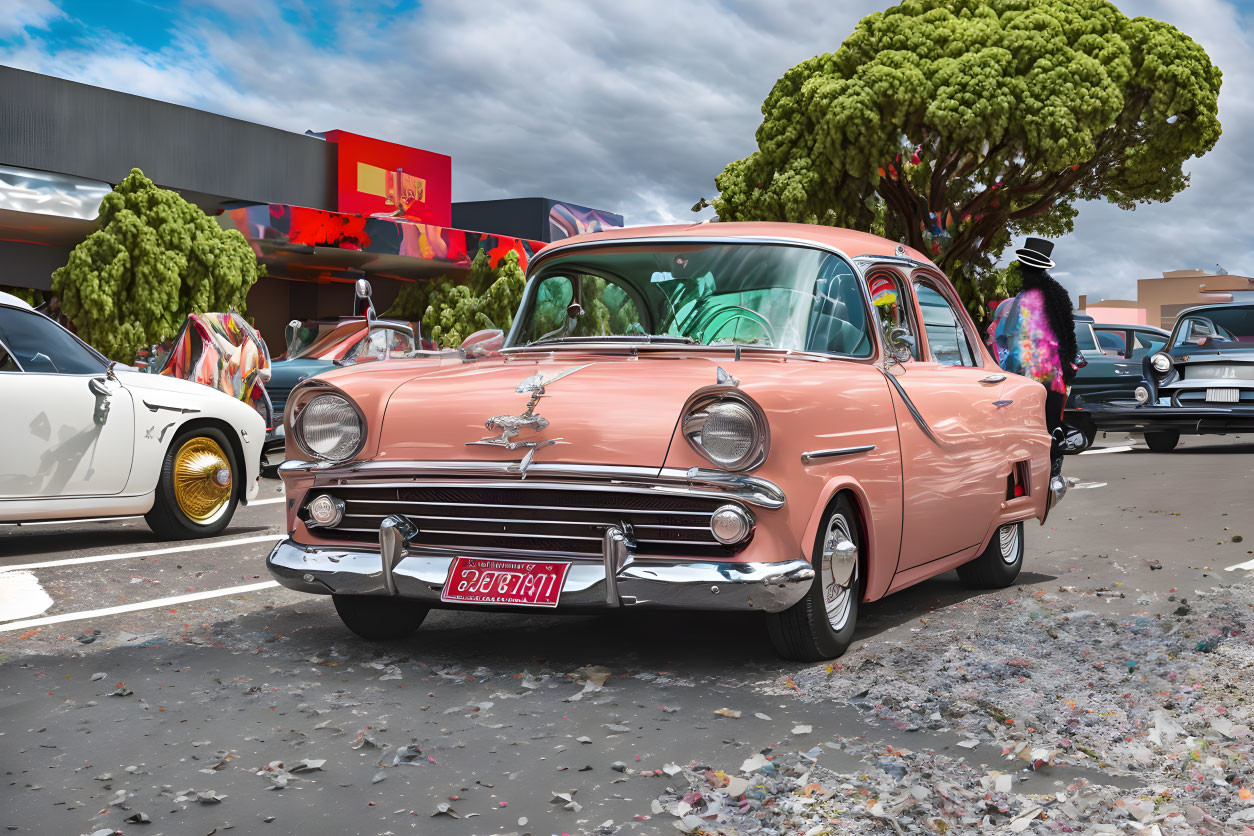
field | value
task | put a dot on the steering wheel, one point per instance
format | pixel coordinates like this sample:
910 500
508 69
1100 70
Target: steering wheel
725 316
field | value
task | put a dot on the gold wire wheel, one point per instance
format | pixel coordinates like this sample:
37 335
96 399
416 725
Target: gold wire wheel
202 479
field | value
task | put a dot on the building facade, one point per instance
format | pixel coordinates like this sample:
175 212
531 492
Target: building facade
320 209
1160 300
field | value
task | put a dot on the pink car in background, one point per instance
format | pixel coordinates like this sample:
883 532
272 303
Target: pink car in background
783 418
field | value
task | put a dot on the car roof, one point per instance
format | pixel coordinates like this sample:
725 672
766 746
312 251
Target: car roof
851 242
1123 326
13 301
1082 317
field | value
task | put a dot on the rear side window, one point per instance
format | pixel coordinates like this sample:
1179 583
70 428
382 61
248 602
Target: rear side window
40 346
947 339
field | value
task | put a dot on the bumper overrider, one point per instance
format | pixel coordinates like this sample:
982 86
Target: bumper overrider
616 577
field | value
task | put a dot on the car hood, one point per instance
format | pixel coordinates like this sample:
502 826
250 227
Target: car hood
614 411
287 373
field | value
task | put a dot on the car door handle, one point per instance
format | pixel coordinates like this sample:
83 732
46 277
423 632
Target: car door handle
1000 404
992 378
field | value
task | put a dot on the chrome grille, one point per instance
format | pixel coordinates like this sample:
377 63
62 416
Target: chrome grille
548 519
1216 371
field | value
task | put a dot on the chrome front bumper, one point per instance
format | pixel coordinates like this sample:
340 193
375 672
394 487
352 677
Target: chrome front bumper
618 580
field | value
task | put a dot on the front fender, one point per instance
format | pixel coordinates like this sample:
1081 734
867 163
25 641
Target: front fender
881 539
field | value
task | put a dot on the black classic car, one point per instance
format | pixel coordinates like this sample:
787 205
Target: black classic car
1201 382
1113 354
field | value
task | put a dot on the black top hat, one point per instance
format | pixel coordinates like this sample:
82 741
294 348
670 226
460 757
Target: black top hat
1036 252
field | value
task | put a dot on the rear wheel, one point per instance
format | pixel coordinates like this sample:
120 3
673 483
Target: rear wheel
197 489
821 625
998 565
1163 441
380 619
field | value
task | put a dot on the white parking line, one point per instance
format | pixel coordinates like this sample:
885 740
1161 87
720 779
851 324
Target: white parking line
101 558
1249 564
1105 450
141 605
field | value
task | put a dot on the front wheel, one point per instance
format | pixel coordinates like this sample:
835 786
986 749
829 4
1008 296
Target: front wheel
379 619
1163 441
998 565
820 626
197 489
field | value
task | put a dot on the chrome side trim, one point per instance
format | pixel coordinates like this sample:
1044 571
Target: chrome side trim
914 412
814 455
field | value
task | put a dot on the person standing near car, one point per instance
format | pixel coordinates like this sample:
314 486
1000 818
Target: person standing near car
1034 336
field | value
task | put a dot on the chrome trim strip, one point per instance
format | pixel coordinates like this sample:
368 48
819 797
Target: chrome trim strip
526 521
752 489
914 412
814 455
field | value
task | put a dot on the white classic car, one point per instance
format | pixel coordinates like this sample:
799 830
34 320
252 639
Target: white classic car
83 437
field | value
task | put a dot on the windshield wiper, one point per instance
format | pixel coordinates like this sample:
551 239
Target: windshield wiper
624 338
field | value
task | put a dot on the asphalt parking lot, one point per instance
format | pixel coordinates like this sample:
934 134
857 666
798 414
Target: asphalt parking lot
211 673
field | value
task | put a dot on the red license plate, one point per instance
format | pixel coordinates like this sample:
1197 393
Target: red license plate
526 583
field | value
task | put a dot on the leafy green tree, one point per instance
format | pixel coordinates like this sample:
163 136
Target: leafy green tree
487 298
155 259
977 121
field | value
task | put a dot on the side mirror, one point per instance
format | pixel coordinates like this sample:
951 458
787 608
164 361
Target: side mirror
290 332
363 289
902 342
483 343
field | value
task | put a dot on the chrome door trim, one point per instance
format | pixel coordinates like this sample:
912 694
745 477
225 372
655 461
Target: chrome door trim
814 455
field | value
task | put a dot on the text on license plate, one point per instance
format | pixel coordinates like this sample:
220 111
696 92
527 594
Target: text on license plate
529 583
1223 395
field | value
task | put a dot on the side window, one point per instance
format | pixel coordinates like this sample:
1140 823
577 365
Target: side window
891 303
838 321
40 346
7 363
946 337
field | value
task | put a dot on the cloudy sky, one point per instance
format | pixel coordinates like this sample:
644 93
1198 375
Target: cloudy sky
632 107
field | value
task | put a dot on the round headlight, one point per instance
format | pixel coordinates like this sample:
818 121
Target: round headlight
329 428
728 431
1161 363
1141 394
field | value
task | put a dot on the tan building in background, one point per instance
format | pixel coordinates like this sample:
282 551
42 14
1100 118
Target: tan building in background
1159 301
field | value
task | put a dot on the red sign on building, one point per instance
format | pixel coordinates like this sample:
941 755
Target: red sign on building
377 178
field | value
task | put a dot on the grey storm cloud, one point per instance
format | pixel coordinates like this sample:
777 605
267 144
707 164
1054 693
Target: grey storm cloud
633 107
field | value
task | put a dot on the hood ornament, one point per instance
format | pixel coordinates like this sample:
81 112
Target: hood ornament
509 426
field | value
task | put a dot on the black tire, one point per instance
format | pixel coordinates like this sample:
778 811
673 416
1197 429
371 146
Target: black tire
379 619
999 564
1163 441
804 632
167 519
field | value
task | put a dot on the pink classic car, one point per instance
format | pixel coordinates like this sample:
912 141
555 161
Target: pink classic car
786 418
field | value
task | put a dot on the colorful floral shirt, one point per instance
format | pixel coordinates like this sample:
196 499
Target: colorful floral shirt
1024 341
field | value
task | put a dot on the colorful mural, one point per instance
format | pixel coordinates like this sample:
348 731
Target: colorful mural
223 351
567 219
298 225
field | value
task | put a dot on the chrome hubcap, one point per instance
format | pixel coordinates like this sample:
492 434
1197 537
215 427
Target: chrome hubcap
839 564
1009 537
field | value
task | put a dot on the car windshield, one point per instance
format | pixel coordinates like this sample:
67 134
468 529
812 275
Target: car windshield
1227 324
765 295
324 345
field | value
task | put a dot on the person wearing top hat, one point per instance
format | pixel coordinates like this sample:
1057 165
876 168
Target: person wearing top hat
1034 336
